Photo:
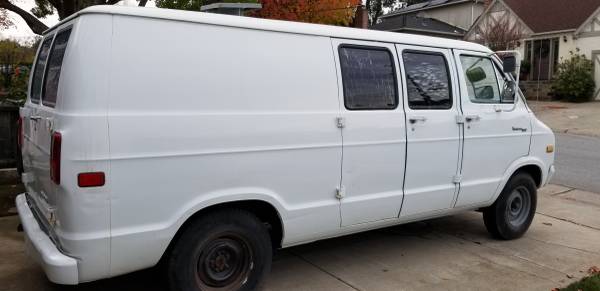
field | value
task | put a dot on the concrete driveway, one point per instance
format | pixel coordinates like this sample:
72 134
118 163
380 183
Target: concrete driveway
453 253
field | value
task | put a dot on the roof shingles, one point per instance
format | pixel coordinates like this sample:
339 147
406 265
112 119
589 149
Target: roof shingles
553 15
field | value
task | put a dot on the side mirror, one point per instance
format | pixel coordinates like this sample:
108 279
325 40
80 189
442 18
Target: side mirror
509 91
509 64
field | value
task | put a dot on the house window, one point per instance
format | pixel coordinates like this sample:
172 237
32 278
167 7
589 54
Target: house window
542 55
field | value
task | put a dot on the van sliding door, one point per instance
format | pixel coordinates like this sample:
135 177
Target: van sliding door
373 130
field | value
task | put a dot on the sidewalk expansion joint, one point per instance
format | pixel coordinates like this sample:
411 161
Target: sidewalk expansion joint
508 256
564 191
325 271
568 220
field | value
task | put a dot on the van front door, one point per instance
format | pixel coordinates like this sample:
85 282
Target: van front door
373 130
496 132
433 136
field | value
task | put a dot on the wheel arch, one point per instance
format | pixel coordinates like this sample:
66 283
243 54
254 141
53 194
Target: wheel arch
533 170
263 210
531 165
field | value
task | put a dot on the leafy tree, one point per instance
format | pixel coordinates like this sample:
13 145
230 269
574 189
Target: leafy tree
15 61
335 12
574 80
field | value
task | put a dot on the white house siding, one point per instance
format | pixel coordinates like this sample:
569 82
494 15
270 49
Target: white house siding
588 44
462 15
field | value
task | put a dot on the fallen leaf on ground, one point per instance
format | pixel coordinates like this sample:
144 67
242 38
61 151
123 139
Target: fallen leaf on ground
547 223
593 270
569 276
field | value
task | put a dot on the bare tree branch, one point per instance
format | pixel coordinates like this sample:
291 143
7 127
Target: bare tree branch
35 24
500 34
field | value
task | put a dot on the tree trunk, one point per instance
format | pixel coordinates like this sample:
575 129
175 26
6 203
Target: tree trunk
35 24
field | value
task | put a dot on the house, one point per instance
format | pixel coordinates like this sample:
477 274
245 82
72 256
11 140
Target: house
547 30
443 18
231 8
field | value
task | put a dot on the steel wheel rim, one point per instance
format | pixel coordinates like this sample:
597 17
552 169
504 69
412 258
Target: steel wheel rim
518 206
224 264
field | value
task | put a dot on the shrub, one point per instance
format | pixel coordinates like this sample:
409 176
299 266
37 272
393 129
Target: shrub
574 81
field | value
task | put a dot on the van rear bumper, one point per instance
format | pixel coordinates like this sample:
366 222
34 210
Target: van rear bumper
59 268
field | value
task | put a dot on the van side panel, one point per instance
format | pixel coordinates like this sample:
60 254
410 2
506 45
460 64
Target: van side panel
83 221
202 114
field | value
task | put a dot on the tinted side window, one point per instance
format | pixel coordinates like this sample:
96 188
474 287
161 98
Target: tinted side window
368 78
38 71
480 77
54 66
427 80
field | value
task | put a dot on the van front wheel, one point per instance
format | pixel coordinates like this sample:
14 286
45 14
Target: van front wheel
511 215
222 250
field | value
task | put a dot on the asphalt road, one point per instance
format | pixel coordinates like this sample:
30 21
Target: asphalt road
577 162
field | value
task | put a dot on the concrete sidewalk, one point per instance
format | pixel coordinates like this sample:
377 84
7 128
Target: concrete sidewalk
573 118
452 253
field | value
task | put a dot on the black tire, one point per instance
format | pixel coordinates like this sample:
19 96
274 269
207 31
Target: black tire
221 250
511 215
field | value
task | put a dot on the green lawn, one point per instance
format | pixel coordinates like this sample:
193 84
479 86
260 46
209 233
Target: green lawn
591 283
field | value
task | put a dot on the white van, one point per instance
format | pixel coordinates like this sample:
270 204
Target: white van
204 141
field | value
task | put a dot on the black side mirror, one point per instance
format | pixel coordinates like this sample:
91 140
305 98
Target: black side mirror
509 91
509 64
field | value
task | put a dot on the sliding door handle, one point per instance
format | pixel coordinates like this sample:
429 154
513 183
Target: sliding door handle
415 119
471 118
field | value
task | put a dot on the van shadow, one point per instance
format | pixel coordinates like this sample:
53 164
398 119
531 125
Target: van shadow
408 237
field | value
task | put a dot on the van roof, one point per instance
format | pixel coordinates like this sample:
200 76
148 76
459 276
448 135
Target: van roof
277 25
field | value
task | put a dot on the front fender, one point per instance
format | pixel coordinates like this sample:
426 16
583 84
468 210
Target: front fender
515 166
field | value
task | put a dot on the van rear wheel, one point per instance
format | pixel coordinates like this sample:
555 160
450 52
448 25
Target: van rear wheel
511 215
222 250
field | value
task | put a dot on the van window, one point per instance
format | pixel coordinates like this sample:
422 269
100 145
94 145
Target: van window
38 71
481 79
427 80
368 78
53 68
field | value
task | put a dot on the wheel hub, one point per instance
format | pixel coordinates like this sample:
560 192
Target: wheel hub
518 206
224 262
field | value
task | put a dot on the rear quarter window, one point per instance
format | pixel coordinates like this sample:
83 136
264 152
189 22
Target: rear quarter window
53 68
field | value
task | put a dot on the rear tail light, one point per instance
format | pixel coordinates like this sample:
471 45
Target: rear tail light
20 132
55 157
92 179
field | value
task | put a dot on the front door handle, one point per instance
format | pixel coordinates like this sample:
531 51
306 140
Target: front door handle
35 117
416 119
